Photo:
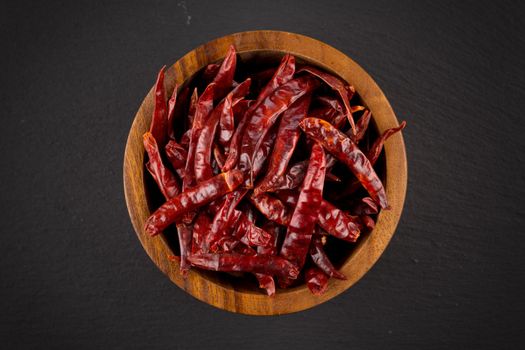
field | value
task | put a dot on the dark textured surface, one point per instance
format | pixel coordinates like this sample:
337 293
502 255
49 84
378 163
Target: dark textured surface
73 273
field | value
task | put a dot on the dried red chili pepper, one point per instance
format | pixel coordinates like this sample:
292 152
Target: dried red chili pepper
373 156
171 111
338 224
340 146
274 230
250 234
177 155
165 179
302 224
227 121
331 102
200 229
293 178
377 147
361 126
228 262
159 120
202 110
320 258
239 110
224 77
202 167
263 152
339 86
184 234
330 115
287 137
316 280
266 281
225 216
332 219
264 117
185 140
272 208
191 199
283 74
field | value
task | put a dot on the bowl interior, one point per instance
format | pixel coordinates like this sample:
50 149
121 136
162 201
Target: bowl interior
248 65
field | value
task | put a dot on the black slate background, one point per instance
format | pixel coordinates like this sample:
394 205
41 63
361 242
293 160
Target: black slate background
73 273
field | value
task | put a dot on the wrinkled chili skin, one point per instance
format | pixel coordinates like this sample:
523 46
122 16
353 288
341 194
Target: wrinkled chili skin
200 229
202 110
225 216
266 281
322 261
286 141
191 199
224 78
341 147
184 234
272 208
339 86
337 223
263 152
229 262
282 75
250 234
332 112
300 229
226 122
202 165
176 154
330 115
292 179
159 121
316 280
203 150
265 115
330 218
165 179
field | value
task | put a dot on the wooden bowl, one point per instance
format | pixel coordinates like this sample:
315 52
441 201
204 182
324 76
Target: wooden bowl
244 297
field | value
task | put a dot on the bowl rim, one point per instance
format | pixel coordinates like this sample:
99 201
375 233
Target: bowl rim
366 253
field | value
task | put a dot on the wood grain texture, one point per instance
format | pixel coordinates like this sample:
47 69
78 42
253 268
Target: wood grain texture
220 293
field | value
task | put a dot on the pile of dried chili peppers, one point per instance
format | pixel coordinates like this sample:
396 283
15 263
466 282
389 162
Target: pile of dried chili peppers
259 171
